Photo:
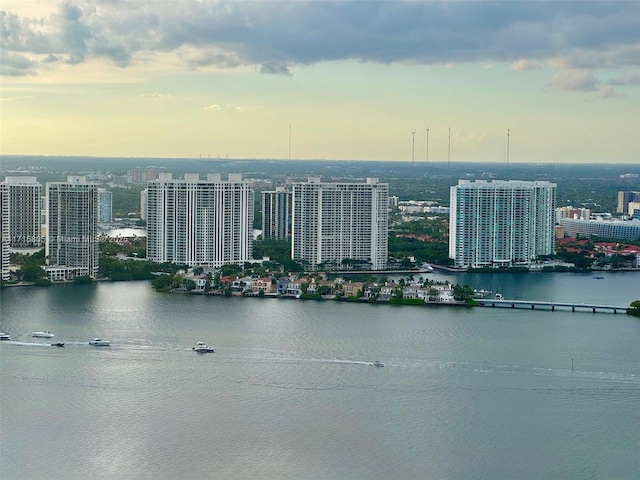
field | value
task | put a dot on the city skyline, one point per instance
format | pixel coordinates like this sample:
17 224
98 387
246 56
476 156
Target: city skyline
512 81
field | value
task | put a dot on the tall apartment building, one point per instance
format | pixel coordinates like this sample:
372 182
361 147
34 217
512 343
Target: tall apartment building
624 199
142 175
143 204
501 223
4 231
24 212
200 222
276 214
72 228
338 224
105 198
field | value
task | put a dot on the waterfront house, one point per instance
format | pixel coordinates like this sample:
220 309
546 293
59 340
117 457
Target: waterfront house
352 289
262 285
387 291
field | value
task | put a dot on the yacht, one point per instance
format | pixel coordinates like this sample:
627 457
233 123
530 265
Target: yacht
378 363
44 334
202 348
99 343
5 336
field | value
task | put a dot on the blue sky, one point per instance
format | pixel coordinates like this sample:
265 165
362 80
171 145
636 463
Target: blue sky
319 79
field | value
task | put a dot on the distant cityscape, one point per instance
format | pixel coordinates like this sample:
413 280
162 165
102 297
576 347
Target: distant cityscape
334 224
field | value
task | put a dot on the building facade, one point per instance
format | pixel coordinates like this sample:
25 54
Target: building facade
105 197
200 222
340 225
24 212
276 214
614 229
624 199
501 223
72 218
4 232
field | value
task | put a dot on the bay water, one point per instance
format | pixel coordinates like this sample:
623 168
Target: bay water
291 392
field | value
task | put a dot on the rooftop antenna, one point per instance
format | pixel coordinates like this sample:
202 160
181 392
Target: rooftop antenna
508 133
449 150
413 145
289 141
427 156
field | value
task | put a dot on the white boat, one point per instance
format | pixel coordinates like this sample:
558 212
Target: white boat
378 363
99 343
44 334
498 296
202 348
5 336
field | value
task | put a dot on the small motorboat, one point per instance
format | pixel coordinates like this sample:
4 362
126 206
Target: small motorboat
44 334
378 363
96 342
59 344
202 348
5 336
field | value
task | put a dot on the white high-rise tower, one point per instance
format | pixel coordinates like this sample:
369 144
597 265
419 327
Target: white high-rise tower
25 212
501 223
200 222
340 225
4 232
72 218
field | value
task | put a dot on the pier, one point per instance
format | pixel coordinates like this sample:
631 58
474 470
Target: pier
532 304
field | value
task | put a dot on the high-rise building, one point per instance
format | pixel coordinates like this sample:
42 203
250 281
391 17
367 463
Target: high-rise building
4 231
105 198
501 223
142 175
200 222
340 225
143 204
72 228
25 212
276 214
624 199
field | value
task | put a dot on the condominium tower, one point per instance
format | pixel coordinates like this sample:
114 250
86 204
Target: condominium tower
340 225
105 198
4 232
624 199
200 222
24 212
72 220
501 223
276 214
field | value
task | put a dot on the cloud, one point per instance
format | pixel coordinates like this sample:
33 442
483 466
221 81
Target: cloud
609 92
626 79
155 95
524 65
574 80
275 68
237 108
278 35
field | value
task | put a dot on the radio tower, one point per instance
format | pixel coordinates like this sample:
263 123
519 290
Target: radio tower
449 150
413 146
508 132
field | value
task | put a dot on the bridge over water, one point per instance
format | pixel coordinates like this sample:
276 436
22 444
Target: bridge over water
533 304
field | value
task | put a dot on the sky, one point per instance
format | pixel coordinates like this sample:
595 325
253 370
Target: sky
516 81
